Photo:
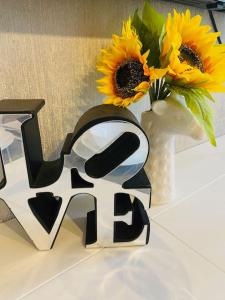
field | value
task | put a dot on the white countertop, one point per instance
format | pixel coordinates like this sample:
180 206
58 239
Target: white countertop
184 260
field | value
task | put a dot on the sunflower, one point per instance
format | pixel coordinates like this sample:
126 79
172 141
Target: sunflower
127 76
191 53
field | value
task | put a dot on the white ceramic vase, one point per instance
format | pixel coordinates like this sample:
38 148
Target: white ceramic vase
160 165
166 119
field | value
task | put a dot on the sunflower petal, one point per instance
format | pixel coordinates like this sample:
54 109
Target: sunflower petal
124 48
183 29
157 73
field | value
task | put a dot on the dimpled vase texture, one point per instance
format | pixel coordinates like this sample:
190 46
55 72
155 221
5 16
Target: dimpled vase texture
160 165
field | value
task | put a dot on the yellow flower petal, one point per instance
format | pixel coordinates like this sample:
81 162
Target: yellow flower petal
207 70
123 50
157 73
143 87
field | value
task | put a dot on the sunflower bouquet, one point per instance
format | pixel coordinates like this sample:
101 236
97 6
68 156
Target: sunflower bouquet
161 57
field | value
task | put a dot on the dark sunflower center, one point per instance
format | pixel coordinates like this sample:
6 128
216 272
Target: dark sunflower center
191 57
128 76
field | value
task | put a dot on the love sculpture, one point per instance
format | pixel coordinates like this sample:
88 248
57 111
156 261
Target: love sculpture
103 157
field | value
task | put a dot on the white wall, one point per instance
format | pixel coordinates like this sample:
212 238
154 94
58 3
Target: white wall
48 50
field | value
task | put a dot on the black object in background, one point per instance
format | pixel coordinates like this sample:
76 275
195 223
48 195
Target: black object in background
210 5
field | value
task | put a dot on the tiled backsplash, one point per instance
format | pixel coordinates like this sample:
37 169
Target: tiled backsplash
48 50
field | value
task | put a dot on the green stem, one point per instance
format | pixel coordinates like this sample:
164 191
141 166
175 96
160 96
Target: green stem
157 84
151 96
158 91
164 92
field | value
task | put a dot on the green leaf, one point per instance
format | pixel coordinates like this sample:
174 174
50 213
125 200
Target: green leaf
207 94
149 30
196 100
153 20
146 39
203 112
183 84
